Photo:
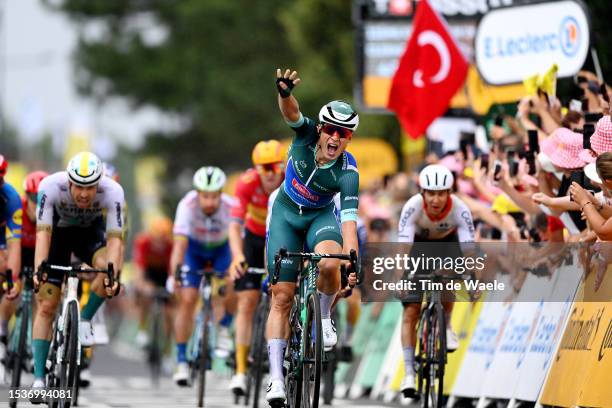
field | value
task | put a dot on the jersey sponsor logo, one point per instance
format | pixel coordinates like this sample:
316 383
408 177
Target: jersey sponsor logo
443 226
303 164
18 217
320 187
404 219
118 211
323 229
351 198
467 217
41 210
303 190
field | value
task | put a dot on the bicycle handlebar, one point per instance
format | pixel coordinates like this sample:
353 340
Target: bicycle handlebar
283 253
73 270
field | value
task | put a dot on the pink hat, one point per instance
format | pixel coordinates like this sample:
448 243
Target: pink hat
564 147
601 141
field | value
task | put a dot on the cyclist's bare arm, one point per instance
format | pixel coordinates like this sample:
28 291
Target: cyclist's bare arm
349 237
41 251
288 106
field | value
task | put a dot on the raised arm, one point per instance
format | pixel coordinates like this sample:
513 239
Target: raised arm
288 105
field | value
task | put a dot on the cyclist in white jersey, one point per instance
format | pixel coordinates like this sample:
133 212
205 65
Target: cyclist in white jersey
435 215
69 220
200 237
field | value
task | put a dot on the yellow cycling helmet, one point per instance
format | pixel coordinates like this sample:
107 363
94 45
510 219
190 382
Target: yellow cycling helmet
267 151
161 227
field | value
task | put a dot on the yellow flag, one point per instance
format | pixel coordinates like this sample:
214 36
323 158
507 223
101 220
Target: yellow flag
546 82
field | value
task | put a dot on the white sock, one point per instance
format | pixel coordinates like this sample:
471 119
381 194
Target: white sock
326 302
276 353
408 359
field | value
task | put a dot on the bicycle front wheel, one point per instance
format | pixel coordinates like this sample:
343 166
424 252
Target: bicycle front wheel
313 353
68 367
19 352
154 348
204 356
436 355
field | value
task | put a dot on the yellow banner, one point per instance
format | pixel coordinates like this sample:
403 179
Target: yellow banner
580 373
475 93
15 176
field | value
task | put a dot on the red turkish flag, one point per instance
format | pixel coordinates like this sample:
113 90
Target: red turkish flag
429 73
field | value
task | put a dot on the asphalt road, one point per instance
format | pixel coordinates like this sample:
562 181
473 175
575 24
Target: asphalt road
121 379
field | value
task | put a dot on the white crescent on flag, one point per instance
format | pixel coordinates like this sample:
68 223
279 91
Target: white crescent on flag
434 39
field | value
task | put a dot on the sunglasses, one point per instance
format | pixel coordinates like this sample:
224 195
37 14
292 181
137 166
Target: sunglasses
275 168
333 129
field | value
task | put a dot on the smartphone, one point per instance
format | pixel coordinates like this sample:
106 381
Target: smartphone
592 117
484 161
575 105
497 170
531 155
587 132
512 164
467 139
604 92
577 177
534 144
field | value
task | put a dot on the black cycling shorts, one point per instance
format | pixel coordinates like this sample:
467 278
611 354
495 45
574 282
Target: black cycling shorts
447 247
254 248
157 276
83 242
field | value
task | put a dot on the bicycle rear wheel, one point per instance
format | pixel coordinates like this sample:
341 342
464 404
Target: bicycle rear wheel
257 350
313 353
204 355
68 366
436 356
293 381
154 348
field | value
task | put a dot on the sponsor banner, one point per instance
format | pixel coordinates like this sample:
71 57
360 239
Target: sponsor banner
376 349
488 332
511 350
538 355
582 363
464 319
514 43
393 359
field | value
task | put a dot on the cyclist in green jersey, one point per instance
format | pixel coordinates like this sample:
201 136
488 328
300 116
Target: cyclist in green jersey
317 168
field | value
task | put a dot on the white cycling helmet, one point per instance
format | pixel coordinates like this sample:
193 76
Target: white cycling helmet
85 169
436 177
209 178
339 113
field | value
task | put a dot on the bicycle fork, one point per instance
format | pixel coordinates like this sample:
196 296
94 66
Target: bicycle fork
71 297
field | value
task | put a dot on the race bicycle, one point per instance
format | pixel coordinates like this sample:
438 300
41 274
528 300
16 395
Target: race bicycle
157 333
304 353
64 356
431 352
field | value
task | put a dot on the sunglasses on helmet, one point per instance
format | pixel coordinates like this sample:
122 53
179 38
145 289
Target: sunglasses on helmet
333 129
275 168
